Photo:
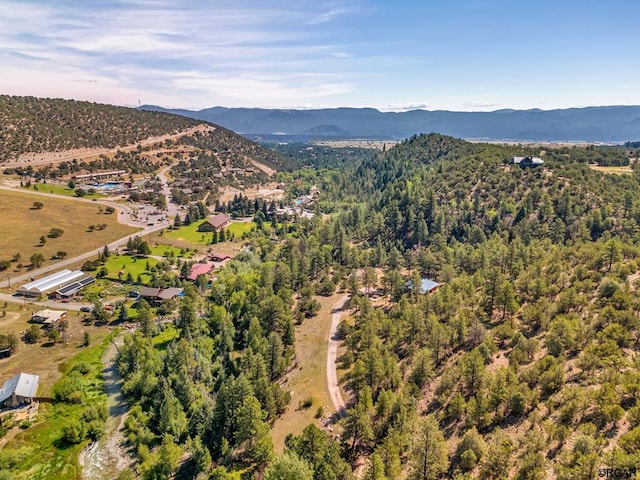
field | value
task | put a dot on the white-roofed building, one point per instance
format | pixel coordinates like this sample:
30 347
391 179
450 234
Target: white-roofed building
19 389
47 284
49 318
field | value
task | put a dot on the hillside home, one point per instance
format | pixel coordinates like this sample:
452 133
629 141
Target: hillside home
527 161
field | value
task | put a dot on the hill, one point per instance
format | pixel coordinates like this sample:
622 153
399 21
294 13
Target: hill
30 125
591 124
524 363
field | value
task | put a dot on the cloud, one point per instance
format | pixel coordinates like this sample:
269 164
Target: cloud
186 52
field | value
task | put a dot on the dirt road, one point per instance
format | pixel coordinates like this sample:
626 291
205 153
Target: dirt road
332 355
45 158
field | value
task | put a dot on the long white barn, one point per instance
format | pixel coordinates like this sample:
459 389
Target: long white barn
52 282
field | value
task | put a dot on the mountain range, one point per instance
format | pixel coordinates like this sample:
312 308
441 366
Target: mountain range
589 124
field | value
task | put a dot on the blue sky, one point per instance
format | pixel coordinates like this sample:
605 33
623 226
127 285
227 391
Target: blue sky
433 54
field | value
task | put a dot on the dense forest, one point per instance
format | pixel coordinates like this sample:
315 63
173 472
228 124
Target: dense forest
522 365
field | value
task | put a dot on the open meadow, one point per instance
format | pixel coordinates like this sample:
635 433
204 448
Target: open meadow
43 358
307 382
615 170
25 224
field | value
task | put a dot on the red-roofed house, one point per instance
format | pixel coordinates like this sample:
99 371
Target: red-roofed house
199 269
216 222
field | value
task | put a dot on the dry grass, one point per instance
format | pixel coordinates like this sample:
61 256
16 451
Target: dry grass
22 226
626 170
43 358
308 380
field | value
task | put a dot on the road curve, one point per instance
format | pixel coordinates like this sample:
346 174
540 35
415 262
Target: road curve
332 371
123 217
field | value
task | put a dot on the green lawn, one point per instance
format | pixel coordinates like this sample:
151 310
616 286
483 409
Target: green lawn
125 264
165 337
238 228
39 452
63 190
190 233
167 250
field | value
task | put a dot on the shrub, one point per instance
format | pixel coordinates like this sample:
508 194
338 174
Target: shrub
55 232
73 433
33 334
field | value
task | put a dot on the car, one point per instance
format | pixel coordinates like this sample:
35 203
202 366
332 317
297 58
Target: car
86 309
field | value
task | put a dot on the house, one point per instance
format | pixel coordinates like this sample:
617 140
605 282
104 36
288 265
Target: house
49 318
216 223
198 269
427 285
155 296
169 293
18 390
219 257
527 161
5 353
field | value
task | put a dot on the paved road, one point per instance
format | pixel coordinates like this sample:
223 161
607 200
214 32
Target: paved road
172 208
124 216
332 372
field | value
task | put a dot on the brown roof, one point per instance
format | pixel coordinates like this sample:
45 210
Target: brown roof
169 293
149 292
218 220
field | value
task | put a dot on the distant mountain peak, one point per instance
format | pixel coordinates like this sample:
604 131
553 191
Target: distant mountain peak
616 123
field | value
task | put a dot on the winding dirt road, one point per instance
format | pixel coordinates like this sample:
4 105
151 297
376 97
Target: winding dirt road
332 355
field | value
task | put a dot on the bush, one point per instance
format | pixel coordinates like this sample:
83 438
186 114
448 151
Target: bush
55 233
83 368
68 389
33 334
73 433
24 424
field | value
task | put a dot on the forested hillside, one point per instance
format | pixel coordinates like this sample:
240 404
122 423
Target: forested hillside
522 365
29 124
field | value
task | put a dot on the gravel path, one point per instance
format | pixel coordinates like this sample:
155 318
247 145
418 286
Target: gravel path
332 355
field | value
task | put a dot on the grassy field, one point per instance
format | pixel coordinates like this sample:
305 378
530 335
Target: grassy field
42 359
38 452
308 381
167 250
612 170
64 190
23 225
191 235
120 266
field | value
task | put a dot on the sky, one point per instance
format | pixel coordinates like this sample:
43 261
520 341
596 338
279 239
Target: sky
469 55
